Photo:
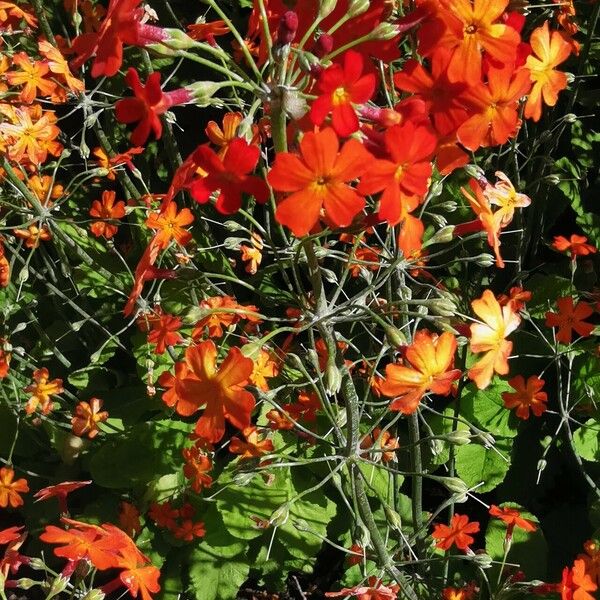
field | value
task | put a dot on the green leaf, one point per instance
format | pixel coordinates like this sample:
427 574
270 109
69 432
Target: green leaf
546 290
146 452
476 464
586 378
528 549
587 440
486 409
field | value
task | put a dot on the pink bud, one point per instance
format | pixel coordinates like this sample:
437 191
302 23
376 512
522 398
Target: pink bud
288 26
324 45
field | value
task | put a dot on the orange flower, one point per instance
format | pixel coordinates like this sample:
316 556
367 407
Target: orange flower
467 27
4 360
41 391
11 15
60 491
33 235
265 367
59 66
464 593
570 318
512 517
253 447
4 282
494 118
376 590
106 210
44 189
226 313
381 440
222 137
170 224
252 254
10 489
591 558
340 88
504 195
207 31
196 468
576 245
10 535
129 519
220 390
549 51
431 358
31 76
517 298
136 576
86 417
457 533
318 181
366 258
164 331
527 396
490 337
576 583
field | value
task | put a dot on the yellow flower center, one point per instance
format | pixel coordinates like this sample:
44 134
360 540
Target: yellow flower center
340 96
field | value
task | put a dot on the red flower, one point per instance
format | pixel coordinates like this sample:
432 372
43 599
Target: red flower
170 224
576 583
188 530
149 103
576 245
104 211
253 447
318 179
512 518
570 318
375 590
86 417
455 534
60 491
10 535
340 89
527 396
196 468
164 332
230 175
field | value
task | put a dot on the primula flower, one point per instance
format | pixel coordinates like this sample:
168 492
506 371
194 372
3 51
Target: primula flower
431 358
149 103
516 298
60 491
222 137
169 223
164 515
527 396
164 331
576 245
340 88
44 188
512 517
591 558
570 317
188 530
405 174
464 593
41 391
229 175
253 446
207 31
494 116
265 367
376 590
457 533
86 417
318 180
11 489
31 77
550 49
196 468
136 576
490 337
33 235
10 535
504 195
576 583
4 282
105 210
226 312
467 27
59 66
220 390
252 254
11 15
381 440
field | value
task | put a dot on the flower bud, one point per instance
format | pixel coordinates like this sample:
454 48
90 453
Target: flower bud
25 583
475 172
443 307
333 378
384 32
280 515
483 561
570 118
37 564
94 594
448 206
58 586
308 61
178 40
323 45
201 92
288 26
395 337
357 7
487 438
484 260
460 437
393 518
453 484
551 179
326 7
232 226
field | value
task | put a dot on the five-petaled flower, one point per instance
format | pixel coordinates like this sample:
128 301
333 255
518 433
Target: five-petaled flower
169 224
42 391
570 317
527 396
11 488
576 245
457 533
512 517
105 211
86 417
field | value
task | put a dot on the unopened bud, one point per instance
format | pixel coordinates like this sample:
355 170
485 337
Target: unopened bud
484 260
395 337
58 585
333 378
570 118
384 32
37 564
25 583
475 172
483 561
448 206
453 484
393 518
232 226
326 7
442 236
551 179
280 515
94 594
442 307
323 45
460 437
203 91
357 7
178 40
308 61
288 26
487 438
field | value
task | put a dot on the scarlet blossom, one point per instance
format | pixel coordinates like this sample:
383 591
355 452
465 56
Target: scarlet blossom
169 224
33 235
381 440
106 210
512 517
230 131
576 245
318 180
430 358
464 593
4 360
4 282
376 590
517 298
11 489
228 175
365 258
457 533
591 558
253 446
550 49
121 25
129 519
494 117
164 332
148 104
188 530
265 367
490 336
576 583
207 31
196 468
340 89
31 76
468 27
220 390
42 391
252 254
527 396
163 514
124 158
60 491
86 417
223 311
570 317
10 535
136 576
